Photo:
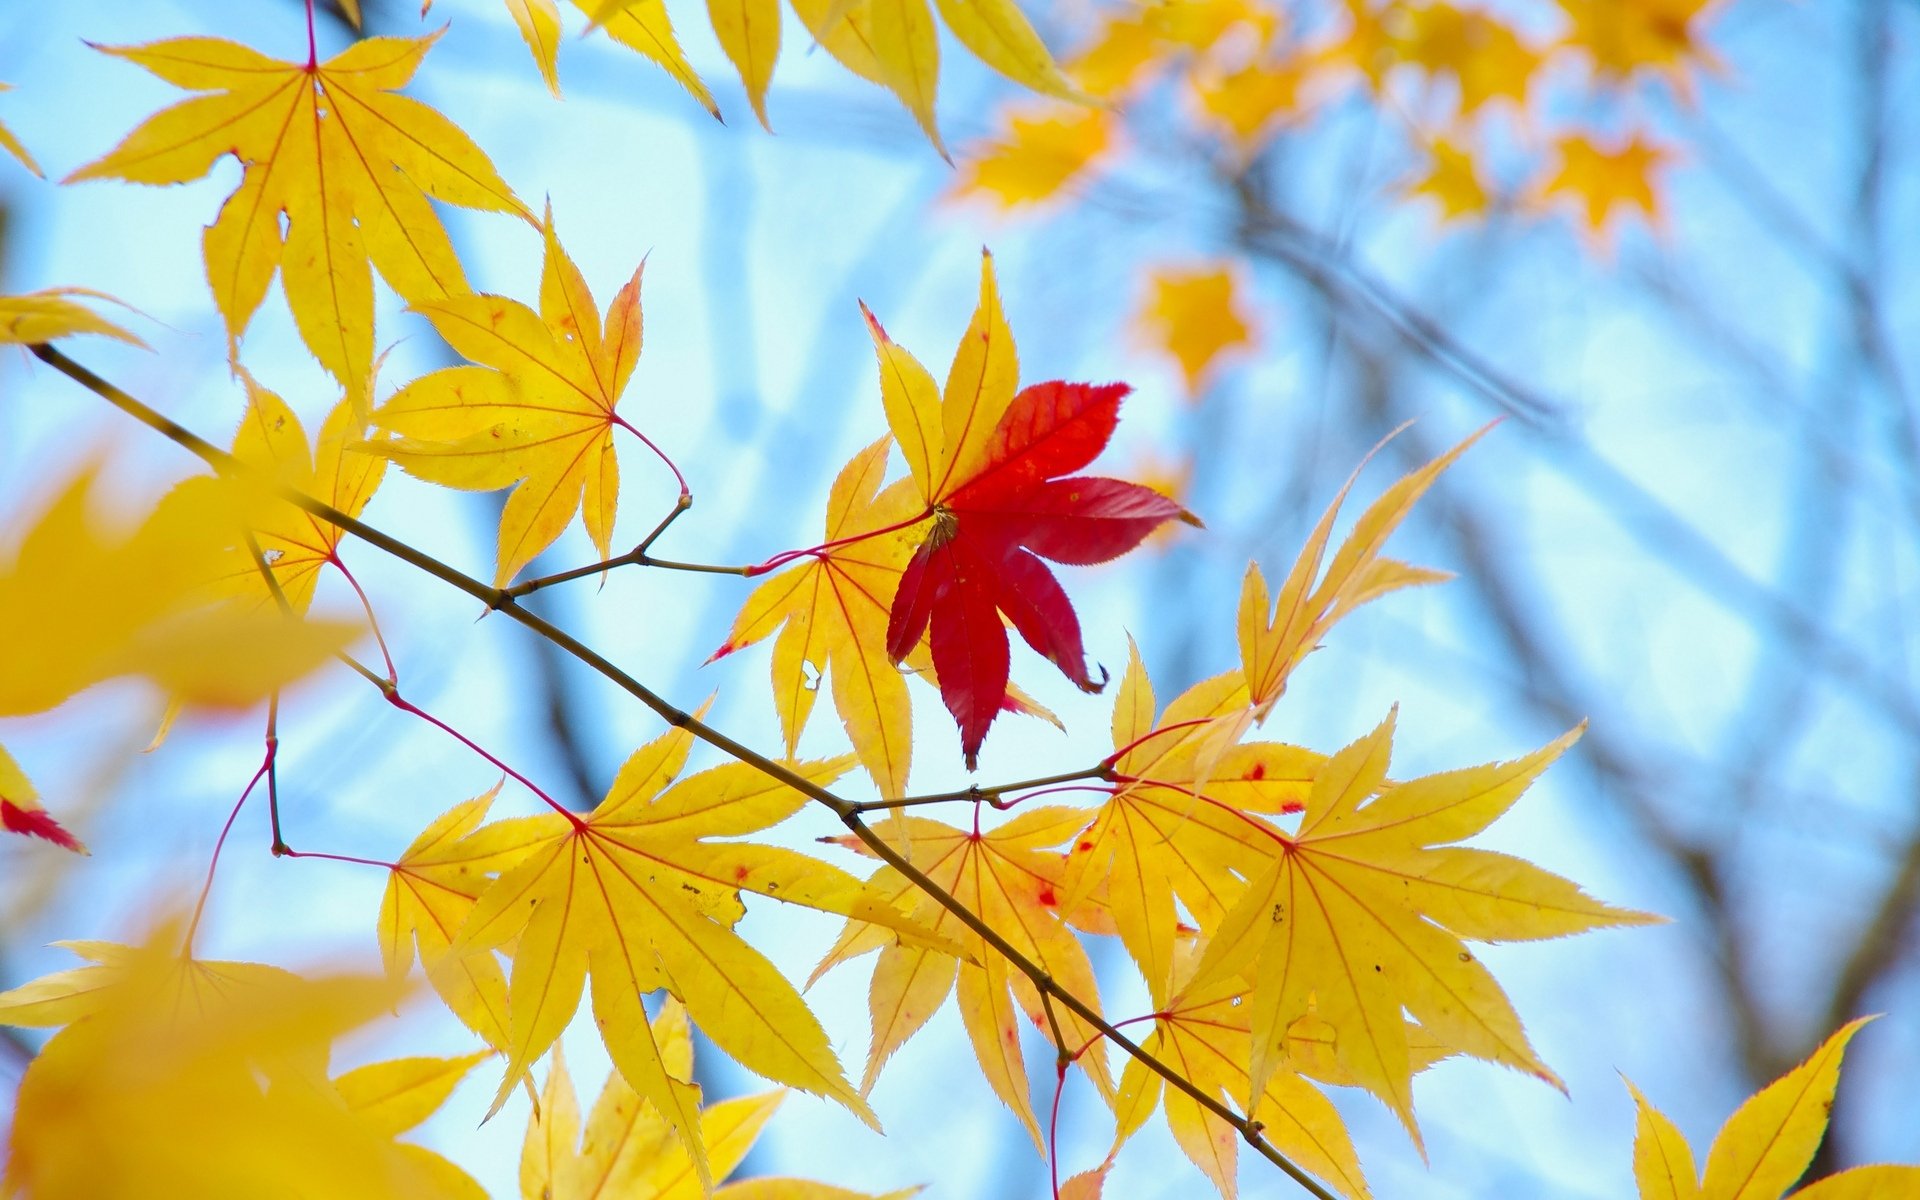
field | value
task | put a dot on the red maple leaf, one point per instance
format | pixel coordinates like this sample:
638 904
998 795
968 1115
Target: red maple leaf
983 555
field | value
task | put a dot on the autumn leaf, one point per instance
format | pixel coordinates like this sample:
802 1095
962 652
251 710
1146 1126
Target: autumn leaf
1196 316
1361 914
537 414
48 315
1184 819
1485 57
21 811
1452 179
987 464
396 1095
336 151
832 616
1275 637
627 1151
431 890
155 1042
895 43
295 544
635 895
1041 151
1663 38
12 145
1765 1147
1601 181
105 602
1206 1036
1012 880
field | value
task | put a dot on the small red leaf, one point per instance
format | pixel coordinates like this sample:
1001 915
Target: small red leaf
982 557
37 822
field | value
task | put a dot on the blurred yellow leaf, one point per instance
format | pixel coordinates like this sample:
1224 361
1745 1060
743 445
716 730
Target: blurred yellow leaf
1602 181
12 145
1452 179
100 602
207 1076
48 315
1196 315
1041 151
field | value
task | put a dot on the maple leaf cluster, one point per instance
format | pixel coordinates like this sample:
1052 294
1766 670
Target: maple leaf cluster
1299 919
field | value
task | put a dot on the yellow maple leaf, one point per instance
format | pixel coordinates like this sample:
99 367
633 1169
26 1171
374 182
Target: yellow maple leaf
1451 178
1185 819
895 43
1206 1036
1602 181
155 1042
1624 38
430 892
1012 880
538 415
1486 57
104 603
294 543
1195 314
832 617
627 1152
13 146
396 1095
49 314
1276 637
335 149
1041 151
636 895
1361 914
1765 1147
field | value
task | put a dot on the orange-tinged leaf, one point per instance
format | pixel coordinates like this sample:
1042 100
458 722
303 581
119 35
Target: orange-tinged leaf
1275 638
49 315
636 896
1196 316
335 150
21 811
1011 878
979 389
107 602
832 616
1040 152
1484 56
538 414
1360 914
1768 1142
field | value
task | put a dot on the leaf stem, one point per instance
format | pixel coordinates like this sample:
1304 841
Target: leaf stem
213 864
373 622
646 441
848 812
